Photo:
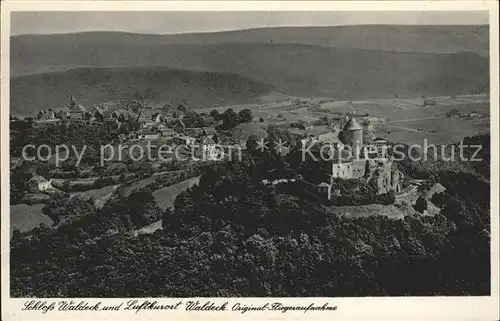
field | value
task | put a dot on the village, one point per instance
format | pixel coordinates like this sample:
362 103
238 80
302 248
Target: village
353 144
356 144
153 123
211 139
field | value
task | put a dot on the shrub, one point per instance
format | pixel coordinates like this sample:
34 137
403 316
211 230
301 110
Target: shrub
103 181
420 205
438 199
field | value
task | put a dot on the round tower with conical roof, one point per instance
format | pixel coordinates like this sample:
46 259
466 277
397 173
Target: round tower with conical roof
72 102
353 135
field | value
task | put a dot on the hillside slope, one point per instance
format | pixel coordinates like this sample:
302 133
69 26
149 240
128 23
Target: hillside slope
425 39
95 85
295 69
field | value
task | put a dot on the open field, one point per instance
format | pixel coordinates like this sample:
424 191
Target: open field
26 217
399 108
99 196
368 210
439 131
413 125
407 121
165 197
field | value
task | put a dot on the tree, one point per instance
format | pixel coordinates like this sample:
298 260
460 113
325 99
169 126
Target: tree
66 186
438 199
367 169
452 112
215 114
386 199
178 125
167 108
43 170
252 142
425 187
265 243
166 219
421 204
193 119
271 129
182 107
122 178
62 207
229 119
103 181
141 208
245 115
132 125
261 240
261 119
17 187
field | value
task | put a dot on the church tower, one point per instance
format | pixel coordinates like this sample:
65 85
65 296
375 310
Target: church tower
72 102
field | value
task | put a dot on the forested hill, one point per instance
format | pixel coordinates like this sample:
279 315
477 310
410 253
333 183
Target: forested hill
233 236
400 38
96 85
298 70
349 62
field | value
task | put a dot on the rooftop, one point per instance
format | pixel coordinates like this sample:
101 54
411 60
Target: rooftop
38 179
352 124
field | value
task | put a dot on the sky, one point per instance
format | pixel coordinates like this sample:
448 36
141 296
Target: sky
48 22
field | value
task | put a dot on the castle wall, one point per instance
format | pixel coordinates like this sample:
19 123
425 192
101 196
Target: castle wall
342 170
325 190
352 170
358 168
388 179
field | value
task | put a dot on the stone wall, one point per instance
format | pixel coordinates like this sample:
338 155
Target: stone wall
387 178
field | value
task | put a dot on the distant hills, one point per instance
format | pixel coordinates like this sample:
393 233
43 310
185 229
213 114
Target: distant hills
423 39
344 62
95 85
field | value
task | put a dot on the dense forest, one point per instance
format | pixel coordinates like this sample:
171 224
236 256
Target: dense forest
76 134
234 236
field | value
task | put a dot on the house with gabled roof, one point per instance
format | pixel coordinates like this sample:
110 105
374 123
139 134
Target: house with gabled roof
76 111
209 132
38 184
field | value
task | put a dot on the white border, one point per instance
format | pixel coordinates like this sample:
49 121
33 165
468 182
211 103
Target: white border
394 308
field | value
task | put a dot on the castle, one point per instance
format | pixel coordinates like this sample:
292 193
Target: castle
358 156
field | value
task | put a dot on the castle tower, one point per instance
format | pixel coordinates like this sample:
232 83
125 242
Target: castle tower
72 102
353 135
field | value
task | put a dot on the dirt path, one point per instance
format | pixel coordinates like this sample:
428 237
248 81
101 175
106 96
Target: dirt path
415 130
87 179
414 119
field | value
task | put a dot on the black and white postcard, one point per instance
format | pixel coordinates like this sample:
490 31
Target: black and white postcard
250 160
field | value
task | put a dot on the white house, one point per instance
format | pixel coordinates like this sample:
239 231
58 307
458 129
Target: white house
38 184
